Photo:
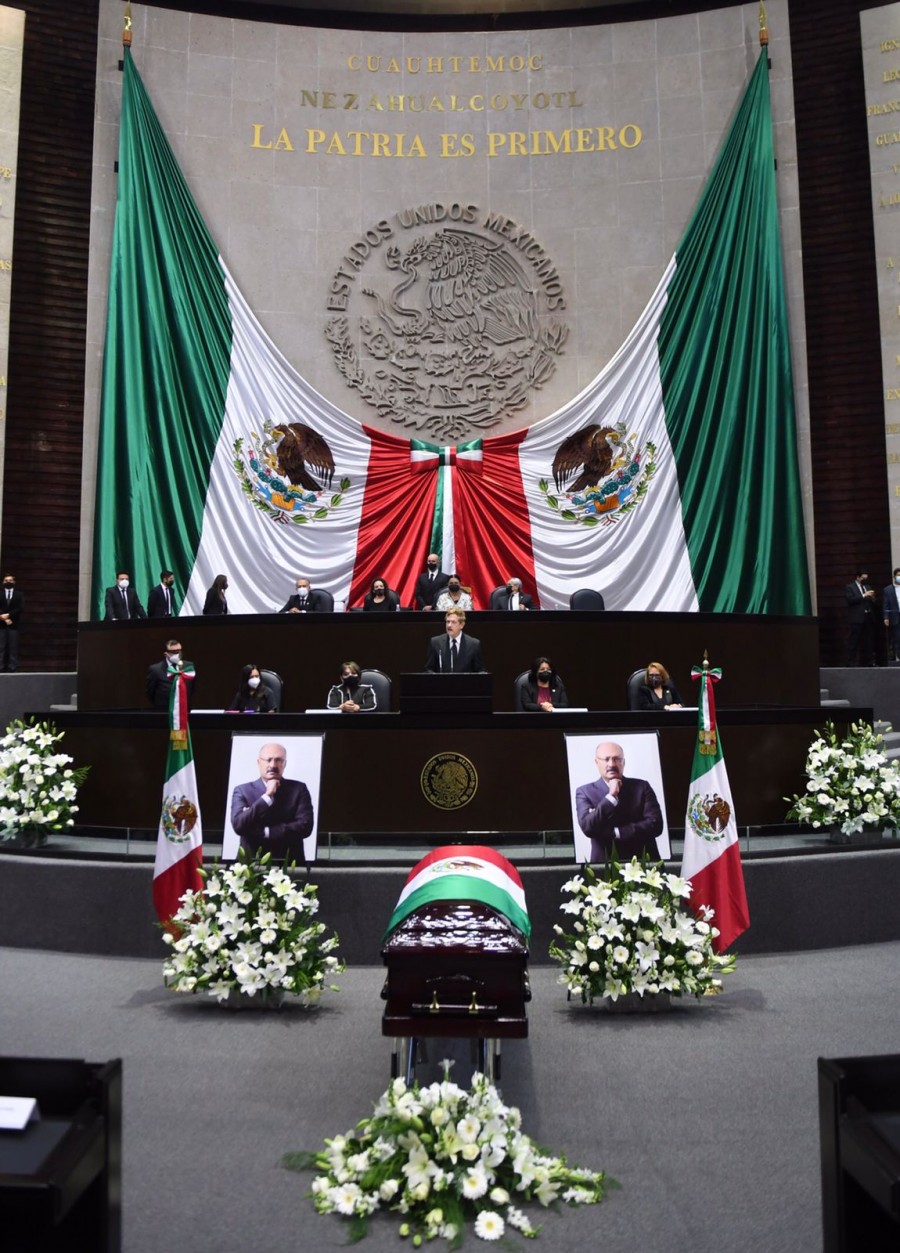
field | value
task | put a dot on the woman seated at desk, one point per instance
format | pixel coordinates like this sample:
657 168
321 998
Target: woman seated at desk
350 696
543 690
658 691
380 597
253 696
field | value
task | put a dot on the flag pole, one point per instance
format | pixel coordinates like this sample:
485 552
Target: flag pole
126 29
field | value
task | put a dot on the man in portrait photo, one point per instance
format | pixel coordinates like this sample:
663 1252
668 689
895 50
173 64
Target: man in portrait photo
272 814
618 813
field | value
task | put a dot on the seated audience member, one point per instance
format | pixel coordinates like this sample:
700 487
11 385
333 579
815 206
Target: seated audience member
304 600
430 583
161 674
454 652
543 690
453 597
253 696
658 691
216 602
515 598
350 696
122 602
380 597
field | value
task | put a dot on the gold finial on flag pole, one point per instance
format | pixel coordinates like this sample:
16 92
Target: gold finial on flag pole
763 26
126 30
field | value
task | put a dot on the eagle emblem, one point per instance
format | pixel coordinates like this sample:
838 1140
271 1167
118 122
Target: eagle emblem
287 471
600 474
178 818
454 335
709 816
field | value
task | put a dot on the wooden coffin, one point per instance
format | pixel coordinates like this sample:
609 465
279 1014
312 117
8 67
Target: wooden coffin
456 967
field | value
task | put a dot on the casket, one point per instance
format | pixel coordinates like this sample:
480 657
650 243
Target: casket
456 949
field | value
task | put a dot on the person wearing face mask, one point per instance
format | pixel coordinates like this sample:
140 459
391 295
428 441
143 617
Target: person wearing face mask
304 599
122 604
381 598
253 696
161 601
890 607
351 696
453 597
543 690
161 674
658 691
12 603
216 602
430 584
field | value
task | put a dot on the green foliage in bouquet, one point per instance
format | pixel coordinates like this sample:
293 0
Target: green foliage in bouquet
251 930
850 782
38 784
632 932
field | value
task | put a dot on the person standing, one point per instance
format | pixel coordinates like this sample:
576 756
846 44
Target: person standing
161 601
453 652
160 675
430 583
12 603
122 602
860 600
216 602
890 607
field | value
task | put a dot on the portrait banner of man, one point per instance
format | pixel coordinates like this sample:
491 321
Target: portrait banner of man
616 790
272 804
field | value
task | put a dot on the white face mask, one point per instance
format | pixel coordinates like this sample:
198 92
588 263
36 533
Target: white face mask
123 583
173 658
254 683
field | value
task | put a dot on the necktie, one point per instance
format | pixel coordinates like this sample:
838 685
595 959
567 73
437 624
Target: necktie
168 603
454 647
125 602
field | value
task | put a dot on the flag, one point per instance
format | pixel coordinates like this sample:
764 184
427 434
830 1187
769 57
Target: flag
464 872
179 842
670 482
712 855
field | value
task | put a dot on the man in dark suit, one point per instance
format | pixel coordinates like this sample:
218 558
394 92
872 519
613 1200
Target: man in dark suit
430 583
161 601
304 600
860 600
272 813
12 603
160 675
512 597
122 602
618 813
454 652
890 608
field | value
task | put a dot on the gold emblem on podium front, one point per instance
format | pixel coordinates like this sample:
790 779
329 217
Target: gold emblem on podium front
449 780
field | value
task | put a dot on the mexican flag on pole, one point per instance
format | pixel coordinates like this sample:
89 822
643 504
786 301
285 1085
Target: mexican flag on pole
464 872
712 857
179 844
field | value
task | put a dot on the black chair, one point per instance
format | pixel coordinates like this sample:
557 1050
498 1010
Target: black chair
275 684
500 598
381 685
635 681
323 600
586 598
519 688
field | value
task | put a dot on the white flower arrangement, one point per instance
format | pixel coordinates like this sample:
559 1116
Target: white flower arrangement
250 930
38 785
443 1157
850 782
631 933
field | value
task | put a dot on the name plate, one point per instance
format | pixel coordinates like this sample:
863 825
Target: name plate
16 1112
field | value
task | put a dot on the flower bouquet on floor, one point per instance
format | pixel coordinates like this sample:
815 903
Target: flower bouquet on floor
252 932
443 1157
631 933
38 785
851 785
